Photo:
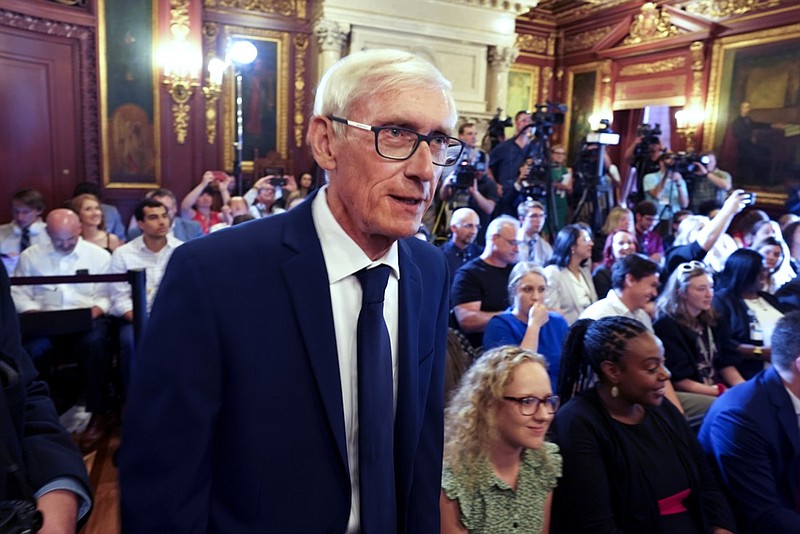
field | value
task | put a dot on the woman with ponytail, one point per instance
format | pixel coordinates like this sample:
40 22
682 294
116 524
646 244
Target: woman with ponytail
631 462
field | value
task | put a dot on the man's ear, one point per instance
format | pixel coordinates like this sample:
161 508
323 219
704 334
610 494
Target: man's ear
320 139
629 280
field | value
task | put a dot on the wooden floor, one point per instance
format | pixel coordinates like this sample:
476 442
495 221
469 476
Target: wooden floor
104 477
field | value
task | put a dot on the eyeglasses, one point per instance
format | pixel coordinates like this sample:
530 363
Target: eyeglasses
512 242
691 266
530 405
393 142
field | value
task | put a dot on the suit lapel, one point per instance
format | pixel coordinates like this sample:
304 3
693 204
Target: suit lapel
307 282
410 400
784 408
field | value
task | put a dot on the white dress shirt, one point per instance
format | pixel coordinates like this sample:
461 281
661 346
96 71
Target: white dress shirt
10 235
136 255
44 260
344 258
612 305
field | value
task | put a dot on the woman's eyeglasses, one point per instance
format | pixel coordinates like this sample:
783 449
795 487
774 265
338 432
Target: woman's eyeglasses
530 405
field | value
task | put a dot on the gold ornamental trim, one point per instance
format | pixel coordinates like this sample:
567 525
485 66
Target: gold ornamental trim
300 48
585 40
285 8
532 43
663 65
715 9
652 23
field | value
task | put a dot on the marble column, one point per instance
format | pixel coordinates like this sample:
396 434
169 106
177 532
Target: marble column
500 60
331 38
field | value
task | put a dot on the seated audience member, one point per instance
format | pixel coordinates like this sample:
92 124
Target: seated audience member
791 235
235 206
93 228
619 244
751 433
528 323
703 237
742 230
697 344
33 439
499 472
687 233
183 229
68 254
149 252
533 247
789 295
619 218
750 311
111 216
631 462
480 287
304 186
266 202
26 228
771 250
677 218
634 287
239 219
461 248
197 204
568 273
648 241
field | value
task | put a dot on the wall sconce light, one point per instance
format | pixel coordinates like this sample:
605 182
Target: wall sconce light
181 65
687 121
211 92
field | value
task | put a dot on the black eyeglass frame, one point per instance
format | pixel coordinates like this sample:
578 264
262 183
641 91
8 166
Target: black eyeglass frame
420 137
551 403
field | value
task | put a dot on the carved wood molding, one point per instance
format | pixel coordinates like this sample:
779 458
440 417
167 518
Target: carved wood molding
715 9
300 48
285 8
86 38
586 40
650 24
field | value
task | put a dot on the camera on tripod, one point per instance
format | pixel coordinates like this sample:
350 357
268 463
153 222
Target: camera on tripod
465 175
545 116
497 128
685 163
646 132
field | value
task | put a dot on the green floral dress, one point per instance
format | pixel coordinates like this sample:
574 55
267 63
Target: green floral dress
494 506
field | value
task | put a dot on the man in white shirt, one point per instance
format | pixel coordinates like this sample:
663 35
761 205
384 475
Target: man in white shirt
25 230
533 247
150 251
67 254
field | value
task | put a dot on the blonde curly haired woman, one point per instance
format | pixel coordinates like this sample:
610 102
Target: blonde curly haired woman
499 472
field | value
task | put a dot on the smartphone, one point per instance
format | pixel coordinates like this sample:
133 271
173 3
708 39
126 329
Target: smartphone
749 198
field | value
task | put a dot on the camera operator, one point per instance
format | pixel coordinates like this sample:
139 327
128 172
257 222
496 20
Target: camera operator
709 182
506 158
643 157
561 176
469 185
667 188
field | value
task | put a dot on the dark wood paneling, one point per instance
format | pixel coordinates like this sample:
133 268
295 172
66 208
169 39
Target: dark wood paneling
39 126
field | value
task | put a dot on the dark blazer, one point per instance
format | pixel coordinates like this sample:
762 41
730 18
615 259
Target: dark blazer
733 310
235 422
751 434
29 424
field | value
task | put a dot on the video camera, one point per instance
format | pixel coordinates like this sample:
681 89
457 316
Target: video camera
465 175
646 132
545 116
685 163
497 128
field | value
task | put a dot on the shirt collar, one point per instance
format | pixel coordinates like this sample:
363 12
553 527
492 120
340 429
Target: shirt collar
794 399
343 257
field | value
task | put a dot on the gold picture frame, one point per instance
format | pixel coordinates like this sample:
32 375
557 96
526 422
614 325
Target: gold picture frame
273 47
583 91
522 91
762 67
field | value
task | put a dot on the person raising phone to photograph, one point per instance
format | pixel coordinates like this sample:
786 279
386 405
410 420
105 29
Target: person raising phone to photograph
197 204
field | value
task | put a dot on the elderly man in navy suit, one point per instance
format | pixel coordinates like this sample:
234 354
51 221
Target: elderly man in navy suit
226 433
752 433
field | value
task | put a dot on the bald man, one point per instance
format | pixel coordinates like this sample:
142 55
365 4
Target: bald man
67 254
464 228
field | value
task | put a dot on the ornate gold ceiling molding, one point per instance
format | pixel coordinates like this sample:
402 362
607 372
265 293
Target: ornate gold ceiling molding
286 8
591 7
720 9
650 24
585 40
653 67
532 43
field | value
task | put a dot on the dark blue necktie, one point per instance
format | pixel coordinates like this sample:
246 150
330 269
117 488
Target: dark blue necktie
25 239
375 408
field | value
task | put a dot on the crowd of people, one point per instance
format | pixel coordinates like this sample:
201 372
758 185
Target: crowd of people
625 381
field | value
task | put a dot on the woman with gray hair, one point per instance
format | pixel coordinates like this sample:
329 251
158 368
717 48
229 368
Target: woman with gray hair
528 323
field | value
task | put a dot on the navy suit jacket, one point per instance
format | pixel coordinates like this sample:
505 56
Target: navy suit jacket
751 433
235 422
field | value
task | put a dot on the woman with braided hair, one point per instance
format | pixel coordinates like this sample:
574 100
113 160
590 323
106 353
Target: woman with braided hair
631 462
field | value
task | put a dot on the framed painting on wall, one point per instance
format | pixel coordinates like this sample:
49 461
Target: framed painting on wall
265 89
754 122
583 98
522 91
129 104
